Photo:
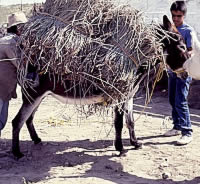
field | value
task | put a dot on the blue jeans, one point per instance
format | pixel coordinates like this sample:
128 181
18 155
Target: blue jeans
3 113
178 90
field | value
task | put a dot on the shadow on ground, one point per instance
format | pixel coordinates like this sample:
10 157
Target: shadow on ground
160 107
41 159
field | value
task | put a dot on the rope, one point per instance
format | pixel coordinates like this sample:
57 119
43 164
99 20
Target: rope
179 71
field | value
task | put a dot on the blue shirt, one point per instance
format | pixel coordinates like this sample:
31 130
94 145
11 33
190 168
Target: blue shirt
185 31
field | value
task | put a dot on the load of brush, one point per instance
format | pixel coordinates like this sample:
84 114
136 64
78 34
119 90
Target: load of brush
91 41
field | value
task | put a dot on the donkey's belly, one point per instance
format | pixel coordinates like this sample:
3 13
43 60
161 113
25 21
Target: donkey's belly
78 101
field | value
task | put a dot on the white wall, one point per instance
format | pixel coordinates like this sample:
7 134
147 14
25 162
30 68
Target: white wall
155 9
11 2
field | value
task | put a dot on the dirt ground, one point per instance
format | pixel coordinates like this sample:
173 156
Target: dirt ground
76 150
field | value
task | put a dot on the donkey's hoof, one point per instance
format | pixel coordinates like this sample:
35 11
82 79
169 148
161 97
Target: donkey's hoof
123 153
37 141
119 146
138 145
18 155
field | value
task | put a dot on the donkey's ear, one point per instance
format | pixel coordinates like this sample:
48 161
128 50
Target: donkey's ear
166 23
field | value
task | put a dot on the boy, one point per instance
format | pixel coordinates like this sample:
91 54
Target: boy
178 88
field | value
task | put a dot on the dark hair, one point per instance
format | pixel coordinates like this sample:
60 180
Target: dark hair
179 6
12 29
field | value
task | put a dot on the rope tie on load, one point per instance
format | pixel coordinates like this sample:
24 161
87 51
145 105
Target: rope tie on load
63 21
124 51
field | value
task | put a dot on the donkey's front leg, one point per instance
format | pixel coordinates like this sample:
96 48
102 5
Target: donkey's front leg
24 113
131 125
118 122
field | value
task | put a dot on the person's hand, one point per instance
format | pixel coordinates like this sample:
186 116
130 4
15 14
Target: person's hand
190 53
184 75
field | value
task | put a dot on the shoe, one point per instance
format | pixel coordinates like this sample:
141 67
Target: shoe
184 140
172 132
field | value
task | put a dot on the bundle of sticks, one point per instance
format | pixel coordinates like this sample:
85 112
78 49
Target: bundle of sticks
91 40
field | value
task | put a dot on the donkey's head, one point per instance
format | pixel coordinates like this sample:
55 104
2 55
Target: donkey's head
174 46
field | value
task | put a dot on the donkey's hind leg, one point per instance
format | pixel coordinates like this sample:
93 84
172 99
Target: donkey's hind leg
118 123
23 115
131 125
31 128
